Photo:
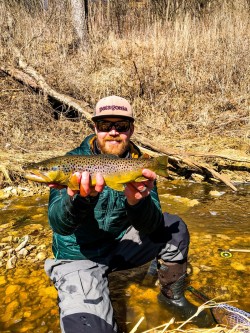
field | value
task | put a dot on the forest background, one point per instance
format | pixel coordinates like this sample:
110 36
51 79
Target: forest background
184 65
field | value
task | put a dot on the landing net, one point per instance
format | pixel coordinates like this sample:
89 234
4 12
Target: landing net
225 314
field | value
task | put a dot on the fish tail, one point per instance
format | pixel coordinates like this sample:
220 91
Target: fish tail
161 165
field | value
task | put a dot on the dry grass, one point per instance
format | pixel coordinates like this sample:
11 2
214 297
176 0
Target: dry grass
188 78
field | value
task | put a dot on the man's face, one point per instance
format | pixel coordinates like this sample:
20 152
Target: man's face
113 135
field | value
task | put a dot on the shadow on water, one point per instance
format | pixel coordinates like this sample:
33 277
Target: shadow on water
216 220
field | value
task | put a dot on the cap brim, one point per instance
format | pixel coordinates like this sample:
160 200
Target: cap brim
111 116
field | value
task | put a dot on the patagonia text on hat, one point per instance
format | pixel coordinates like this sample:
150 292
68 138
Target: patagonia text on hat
113 106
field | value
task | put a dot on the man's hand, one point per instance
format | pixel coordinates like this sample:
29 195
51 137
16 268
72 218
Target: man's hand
85 187
135 191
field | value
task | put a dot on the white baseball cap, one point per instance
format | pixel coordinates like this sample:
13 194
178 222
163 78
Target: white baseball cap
113 106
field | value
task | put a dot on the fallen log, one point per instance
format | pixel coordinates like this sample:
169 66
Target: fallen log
198 167
20 76
30 77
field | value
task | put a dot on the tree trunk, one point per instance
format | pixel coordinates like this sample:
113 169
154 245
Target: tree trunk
79 10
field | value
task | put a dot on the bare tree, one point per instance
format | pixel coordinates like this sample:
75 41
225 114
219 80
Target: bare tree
80 21
45 4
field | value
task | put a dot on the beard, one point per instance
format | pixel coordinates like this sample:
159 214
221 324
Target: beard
118 149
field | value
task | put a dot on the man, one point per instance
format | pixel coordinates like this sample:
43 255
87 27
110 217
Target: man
98 230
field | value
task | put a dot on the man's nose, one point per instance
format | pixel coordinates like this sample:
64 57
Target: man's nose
113 131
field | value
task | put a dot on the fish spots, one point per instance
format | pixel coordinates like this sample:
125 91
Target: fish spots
114 169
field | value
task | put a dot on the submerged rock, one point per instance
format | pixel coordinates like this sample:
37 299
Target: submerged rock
197 177
24 240
186 201
2 254
41 256
238 266
11 263
3 280
7 239
216 193
205 268
22 253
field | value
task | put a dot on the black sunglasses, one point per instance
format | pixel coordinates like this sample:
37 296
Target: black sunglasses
106 125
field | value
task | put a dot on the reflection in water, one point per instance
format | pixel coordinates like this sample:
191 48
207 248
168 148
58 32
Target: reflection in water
215 222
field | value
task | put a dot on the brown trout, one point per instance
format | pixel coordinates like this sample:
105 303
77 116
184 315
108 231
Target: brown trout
115 171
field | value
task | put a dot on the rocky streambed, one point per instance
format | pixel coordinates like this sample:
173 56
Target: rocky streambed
29 299
30 245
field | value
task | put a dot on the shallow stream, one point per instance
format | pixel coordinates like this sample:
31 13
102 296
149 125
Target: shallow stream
216 220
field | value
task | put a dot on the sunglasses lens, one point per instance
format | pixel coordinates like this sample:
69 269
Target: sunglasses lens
106 126
103 126
122 126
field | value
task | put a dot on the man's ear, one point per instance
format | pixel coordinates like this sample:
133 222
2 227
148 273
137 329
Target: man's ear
95 128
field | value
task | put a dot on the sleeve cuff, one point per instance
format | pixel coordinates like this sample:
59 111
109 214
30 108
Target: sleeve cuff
138 205
79 201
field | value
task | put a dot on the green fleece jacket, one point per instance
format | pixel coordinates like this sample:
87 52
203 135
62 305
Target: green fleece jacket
88 228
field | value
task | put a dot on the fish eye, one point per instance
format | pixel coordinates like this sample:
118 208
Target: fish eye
43 168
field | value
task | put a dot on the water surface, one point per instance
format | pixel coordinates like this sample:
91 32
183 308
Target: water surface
215 222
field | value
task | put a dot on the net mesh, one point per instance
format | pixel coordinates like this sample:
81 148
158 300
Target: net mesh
225 314
232 317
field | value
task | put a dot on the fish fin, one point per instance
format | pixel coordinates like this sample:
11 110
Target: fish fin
73 183
161 165
140 179
114 185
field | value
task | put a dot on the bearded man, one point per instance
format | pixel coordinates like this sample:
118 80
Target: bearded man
98 230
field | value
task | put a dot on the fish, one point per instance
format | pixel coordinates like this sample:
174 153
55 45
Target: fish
116 171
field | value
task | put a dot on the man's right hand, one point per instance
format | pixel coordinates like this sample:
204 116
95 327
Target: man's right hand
85 187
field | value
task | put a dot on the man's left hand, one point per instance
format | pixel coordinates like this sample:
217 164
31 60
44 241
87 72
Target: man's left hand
135 191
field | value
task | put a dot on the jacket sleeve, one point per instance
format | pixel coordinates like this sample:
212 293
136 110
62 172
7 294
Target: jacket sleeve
66 214
146 216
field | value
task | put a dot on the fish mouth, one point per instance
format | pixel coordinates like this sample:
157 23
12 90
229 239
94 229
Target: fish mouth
36 176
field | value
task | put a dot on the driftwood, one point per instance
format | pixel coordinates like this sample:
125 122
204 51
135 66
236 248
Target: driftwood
30 77
197 166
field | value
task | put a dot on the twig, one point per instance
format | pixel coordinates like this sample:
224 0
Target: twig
141 84
5 173
166 325
137 325
16 89
202 307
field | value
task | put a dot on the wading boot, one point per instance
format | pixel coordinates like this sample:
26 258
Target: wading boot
172 277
